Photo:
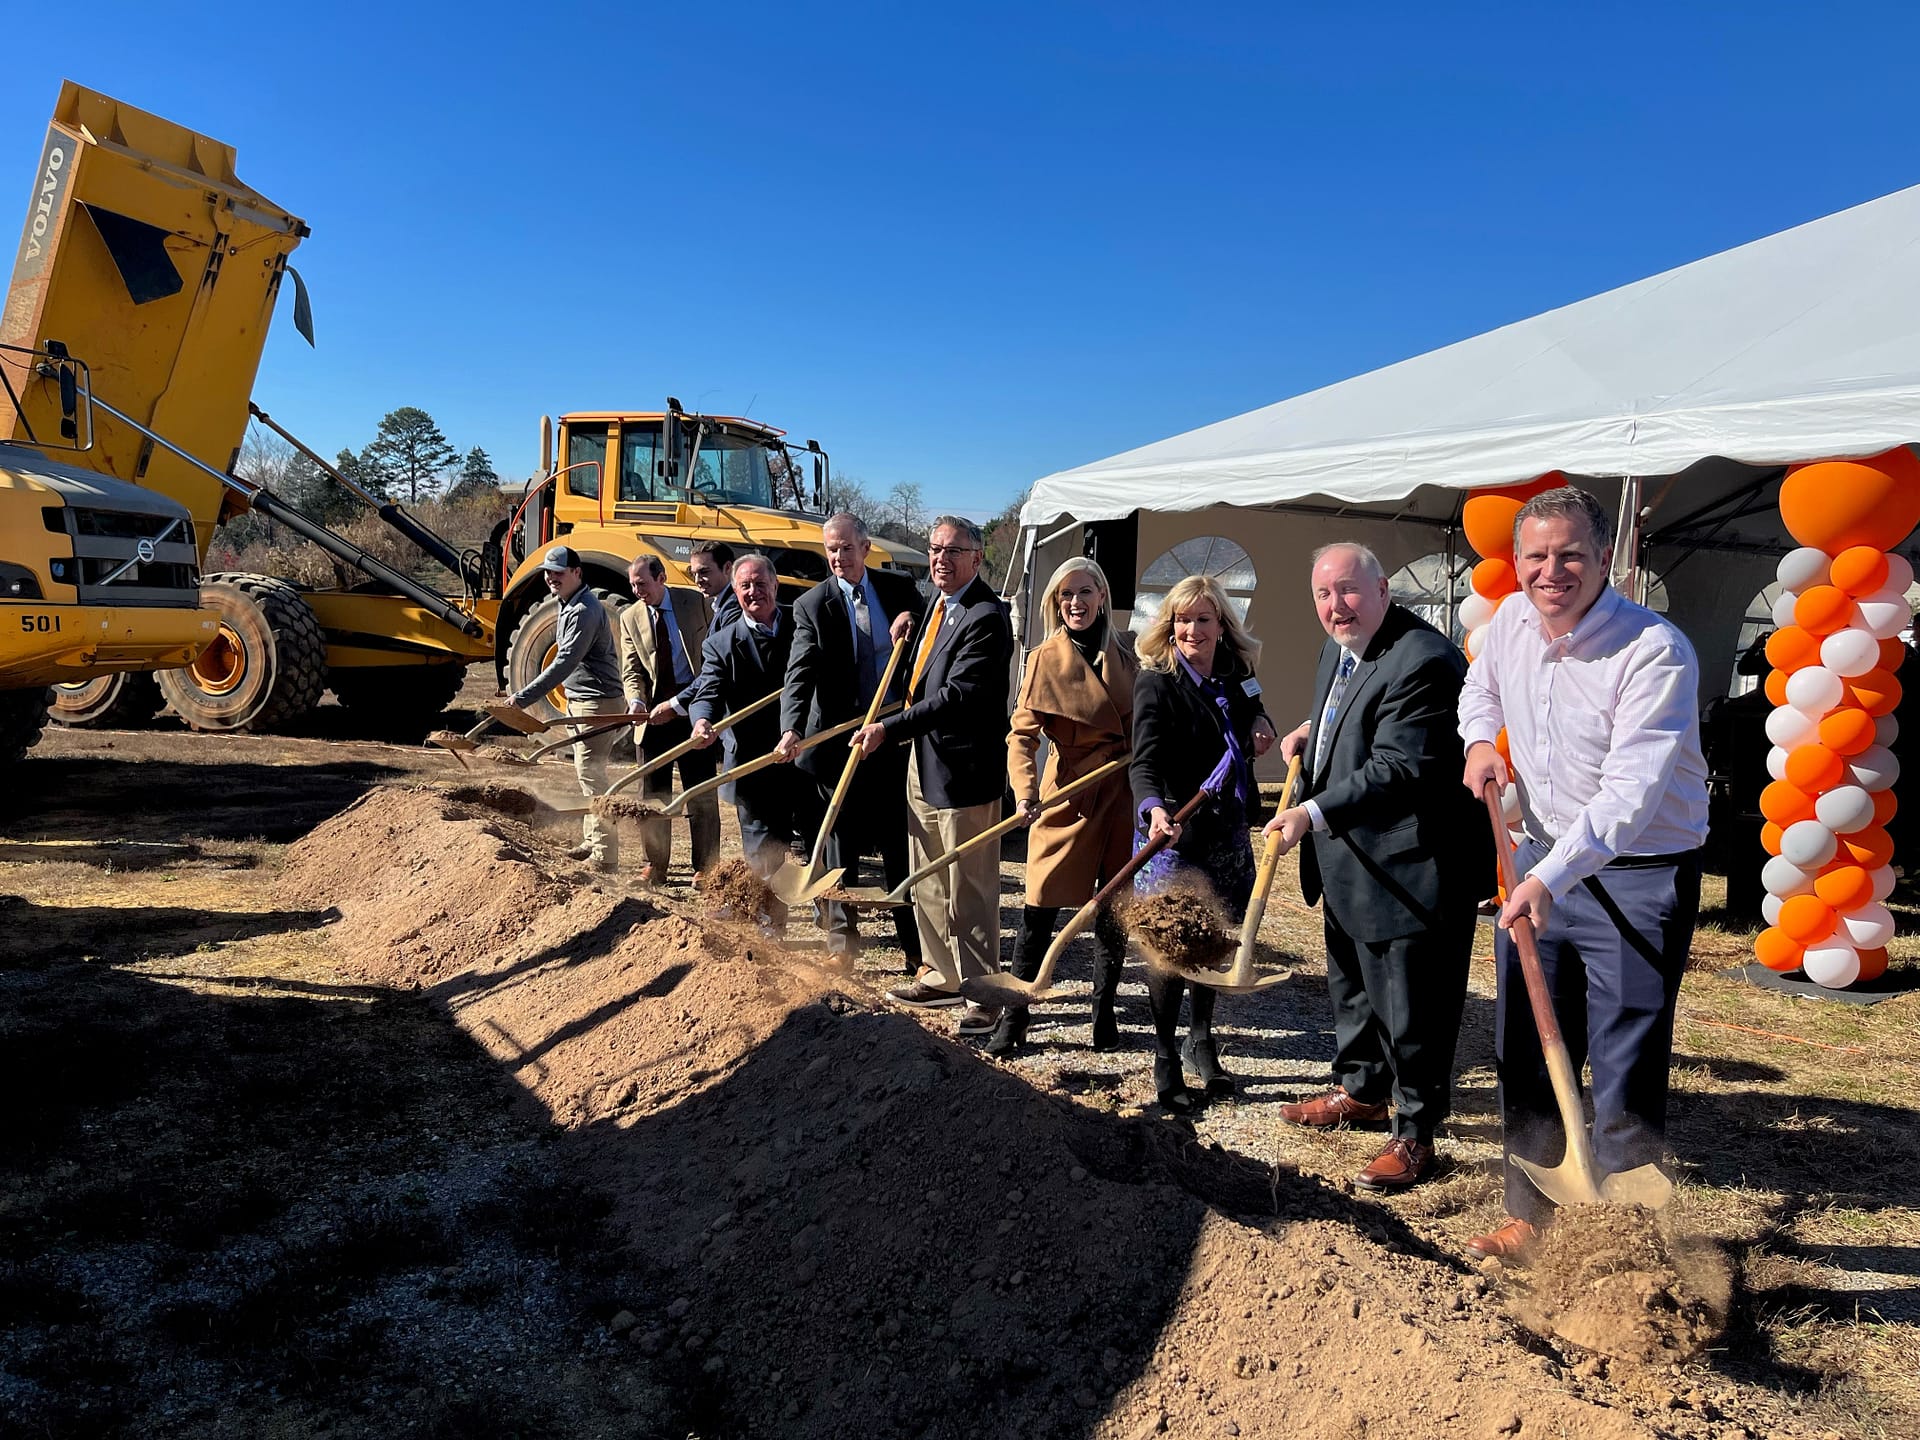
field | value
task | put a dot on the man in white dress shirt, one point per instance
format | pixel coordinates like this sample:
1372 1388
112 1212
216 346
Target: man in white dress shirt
1599 698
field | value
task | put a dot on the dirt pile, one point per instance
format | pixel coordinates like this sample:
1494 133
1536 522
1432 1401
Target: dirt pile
507 799
871 1230
1183 927
1608 1279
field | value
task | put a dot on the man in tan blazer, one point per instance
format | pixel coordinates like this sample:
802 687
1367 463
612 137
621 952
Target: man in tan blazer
660 639
1077 694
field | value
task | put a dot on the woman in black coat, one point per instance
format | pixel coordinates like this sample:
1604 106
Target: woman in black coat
1197 721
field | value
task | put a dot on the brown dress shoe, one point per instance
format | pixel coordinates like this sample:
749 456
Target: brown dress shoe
1333 1110
1508 1242
1402 1163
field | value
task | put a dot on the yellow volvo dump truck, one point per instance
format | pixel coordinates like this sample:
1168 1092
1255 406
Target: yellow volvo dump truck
134 323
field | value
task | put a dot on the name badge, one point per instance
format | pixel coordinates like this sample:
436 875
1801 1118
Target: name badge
1252 687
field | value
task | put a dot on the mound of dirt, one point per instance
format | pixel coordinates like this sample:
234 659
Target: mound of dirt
1183 927
871 1230
731 890
1608 1279
507 799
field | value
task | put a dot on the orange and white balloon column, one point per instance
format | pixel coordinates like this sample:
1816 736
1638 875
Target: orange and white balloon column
1842 605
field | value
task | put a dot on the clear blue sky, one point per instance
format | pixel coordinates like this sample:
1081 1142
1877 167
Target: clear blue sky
965 246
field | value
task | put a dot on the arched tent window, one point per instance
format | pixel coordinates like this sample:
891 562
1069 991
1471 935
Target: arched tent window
1213 555
1423 586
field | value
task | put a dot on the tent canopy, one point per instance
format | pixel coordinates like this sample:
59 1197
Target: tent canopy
1794 347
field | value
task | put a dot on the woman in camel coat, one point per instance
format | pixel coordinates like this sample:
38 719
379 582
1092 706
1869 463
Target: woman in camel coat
1078 693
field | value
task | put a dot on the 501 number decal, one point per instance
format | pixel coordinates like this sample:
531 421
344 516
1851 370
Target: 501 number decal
39 624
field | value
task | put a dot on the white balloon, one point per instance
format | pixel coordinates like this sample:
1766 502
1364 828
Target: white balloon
1831 963
1808 844
1874 768
1850 652
1884 612
1788 727
1770 908
1476 610
1899 573
1845 809
1780 876
1777 763
1783 608
1804 568
1883 882
1510 804
1867 928
1814 689
1477 639
1886 730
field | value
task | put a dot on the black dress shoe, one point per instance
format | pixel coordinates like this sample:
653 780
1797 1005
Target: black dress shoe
1170 1087
1106 1029
1200 1056
1009 1034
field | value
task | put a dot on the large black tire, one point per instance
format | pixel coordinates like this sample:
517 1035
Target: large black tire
23 715
269 665
398 702
531 646
107 701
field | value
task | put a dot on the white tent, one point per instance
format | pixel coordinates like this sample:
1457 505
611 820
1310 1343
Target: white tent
1805 344
1682 397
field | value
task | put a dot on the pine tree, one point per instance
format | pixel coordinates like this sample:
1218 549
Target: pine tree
412 451
477 476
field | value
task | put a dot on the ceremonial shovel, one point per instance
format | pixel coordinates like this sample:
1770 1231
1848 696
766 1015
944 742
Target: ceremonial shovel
1576 1180
667 757
1001 988
796 884
1240 976
512 716
600 726
900 893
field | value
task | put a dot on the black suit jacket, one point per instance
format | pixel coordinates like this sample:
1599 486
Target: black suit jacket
1179 736
737 667
726 609
822 687
957 716
1405 842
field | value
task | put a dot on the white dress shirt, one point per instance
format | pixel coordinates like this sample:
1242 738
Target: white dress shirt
1603 725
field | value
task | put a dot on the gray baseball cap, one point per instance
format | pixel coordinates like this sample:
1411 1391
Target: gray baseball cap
561 557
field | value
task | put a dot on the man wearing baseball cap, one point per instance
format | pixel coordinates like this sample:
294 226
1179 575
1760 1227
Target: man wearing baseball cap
586 665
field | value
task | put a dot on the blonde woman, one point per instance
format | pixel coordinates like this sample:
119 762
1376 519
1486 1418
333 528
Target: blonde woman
1197 722
1077 693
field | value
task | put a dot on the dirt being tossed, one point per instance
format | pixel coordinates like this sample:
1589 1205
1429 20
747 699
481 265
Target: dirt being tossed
1184 927
507 799
624 807
733 892
1608 1279
866 1228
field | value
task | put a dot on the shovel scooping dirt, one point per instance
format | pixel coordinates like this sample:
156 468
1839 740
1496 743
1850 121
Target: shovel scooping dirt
1182 929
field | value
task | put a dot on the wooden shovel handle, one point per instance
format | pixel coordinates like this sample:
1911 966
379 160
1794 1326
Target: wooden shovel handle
1269 864
761 762
854 756
1524 940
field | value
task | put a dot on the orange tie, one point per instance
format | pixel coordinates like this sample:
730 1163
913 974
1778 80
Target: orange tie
926 643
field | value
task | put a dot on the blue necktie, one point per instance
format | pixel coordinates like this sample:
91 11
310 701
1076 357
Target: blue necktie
1334 694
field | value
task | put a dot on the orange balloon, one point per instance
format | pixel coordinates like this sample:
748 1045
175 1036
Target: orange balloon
1845 887
1488 522
1846 731
1776 687
1500 744
1823 609
1494 578
1885 806
1870 848
1873 964
1783 802
1877 692
1806 918
1790 648
1777 950
1860 571
1892 653
1814 768
1770 838
1838 504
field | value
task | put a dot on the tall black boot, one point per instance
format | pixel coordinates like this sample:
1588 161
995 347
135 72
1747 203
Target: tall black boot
1199 1053
1029 948
1106 978
1163 1002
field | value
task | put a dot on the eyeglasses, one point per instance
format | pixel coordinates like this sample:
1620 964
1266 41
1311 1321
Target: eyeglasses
938 550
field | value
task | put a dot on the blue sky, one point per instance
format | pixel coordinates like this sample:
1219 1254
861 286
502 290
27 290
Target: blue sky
966 246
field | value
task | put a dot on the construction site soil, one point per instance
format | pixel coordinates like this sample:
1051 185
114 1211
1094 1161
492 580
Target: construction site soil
867 1228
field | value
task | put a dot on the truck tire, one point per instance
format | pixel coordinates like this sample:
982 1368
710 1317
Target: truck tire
531 647
23 715
268 666
398 702
107 701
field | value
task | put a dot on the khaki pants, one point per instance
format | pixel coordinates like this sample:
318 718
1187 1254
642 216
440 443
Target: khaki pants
590 764
958 908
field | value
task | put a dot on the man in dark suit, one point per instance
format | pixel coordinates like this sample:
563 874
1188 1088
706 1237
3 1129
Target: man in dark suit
1398 856
710 567
955 726
841 640
739 665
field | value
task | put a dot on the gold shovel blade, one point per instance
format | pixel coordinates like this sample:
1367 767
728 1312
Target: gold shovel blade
447 740
1647 1185
514 718
1564 1184
999 989
795 884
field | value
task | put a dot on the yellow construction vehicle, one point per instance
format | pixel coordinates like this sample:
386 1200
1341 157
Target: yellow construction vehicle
132 332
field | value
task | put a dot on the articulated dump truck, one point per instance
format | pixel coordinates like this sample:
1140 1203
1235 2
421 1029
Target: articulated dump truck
134 323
